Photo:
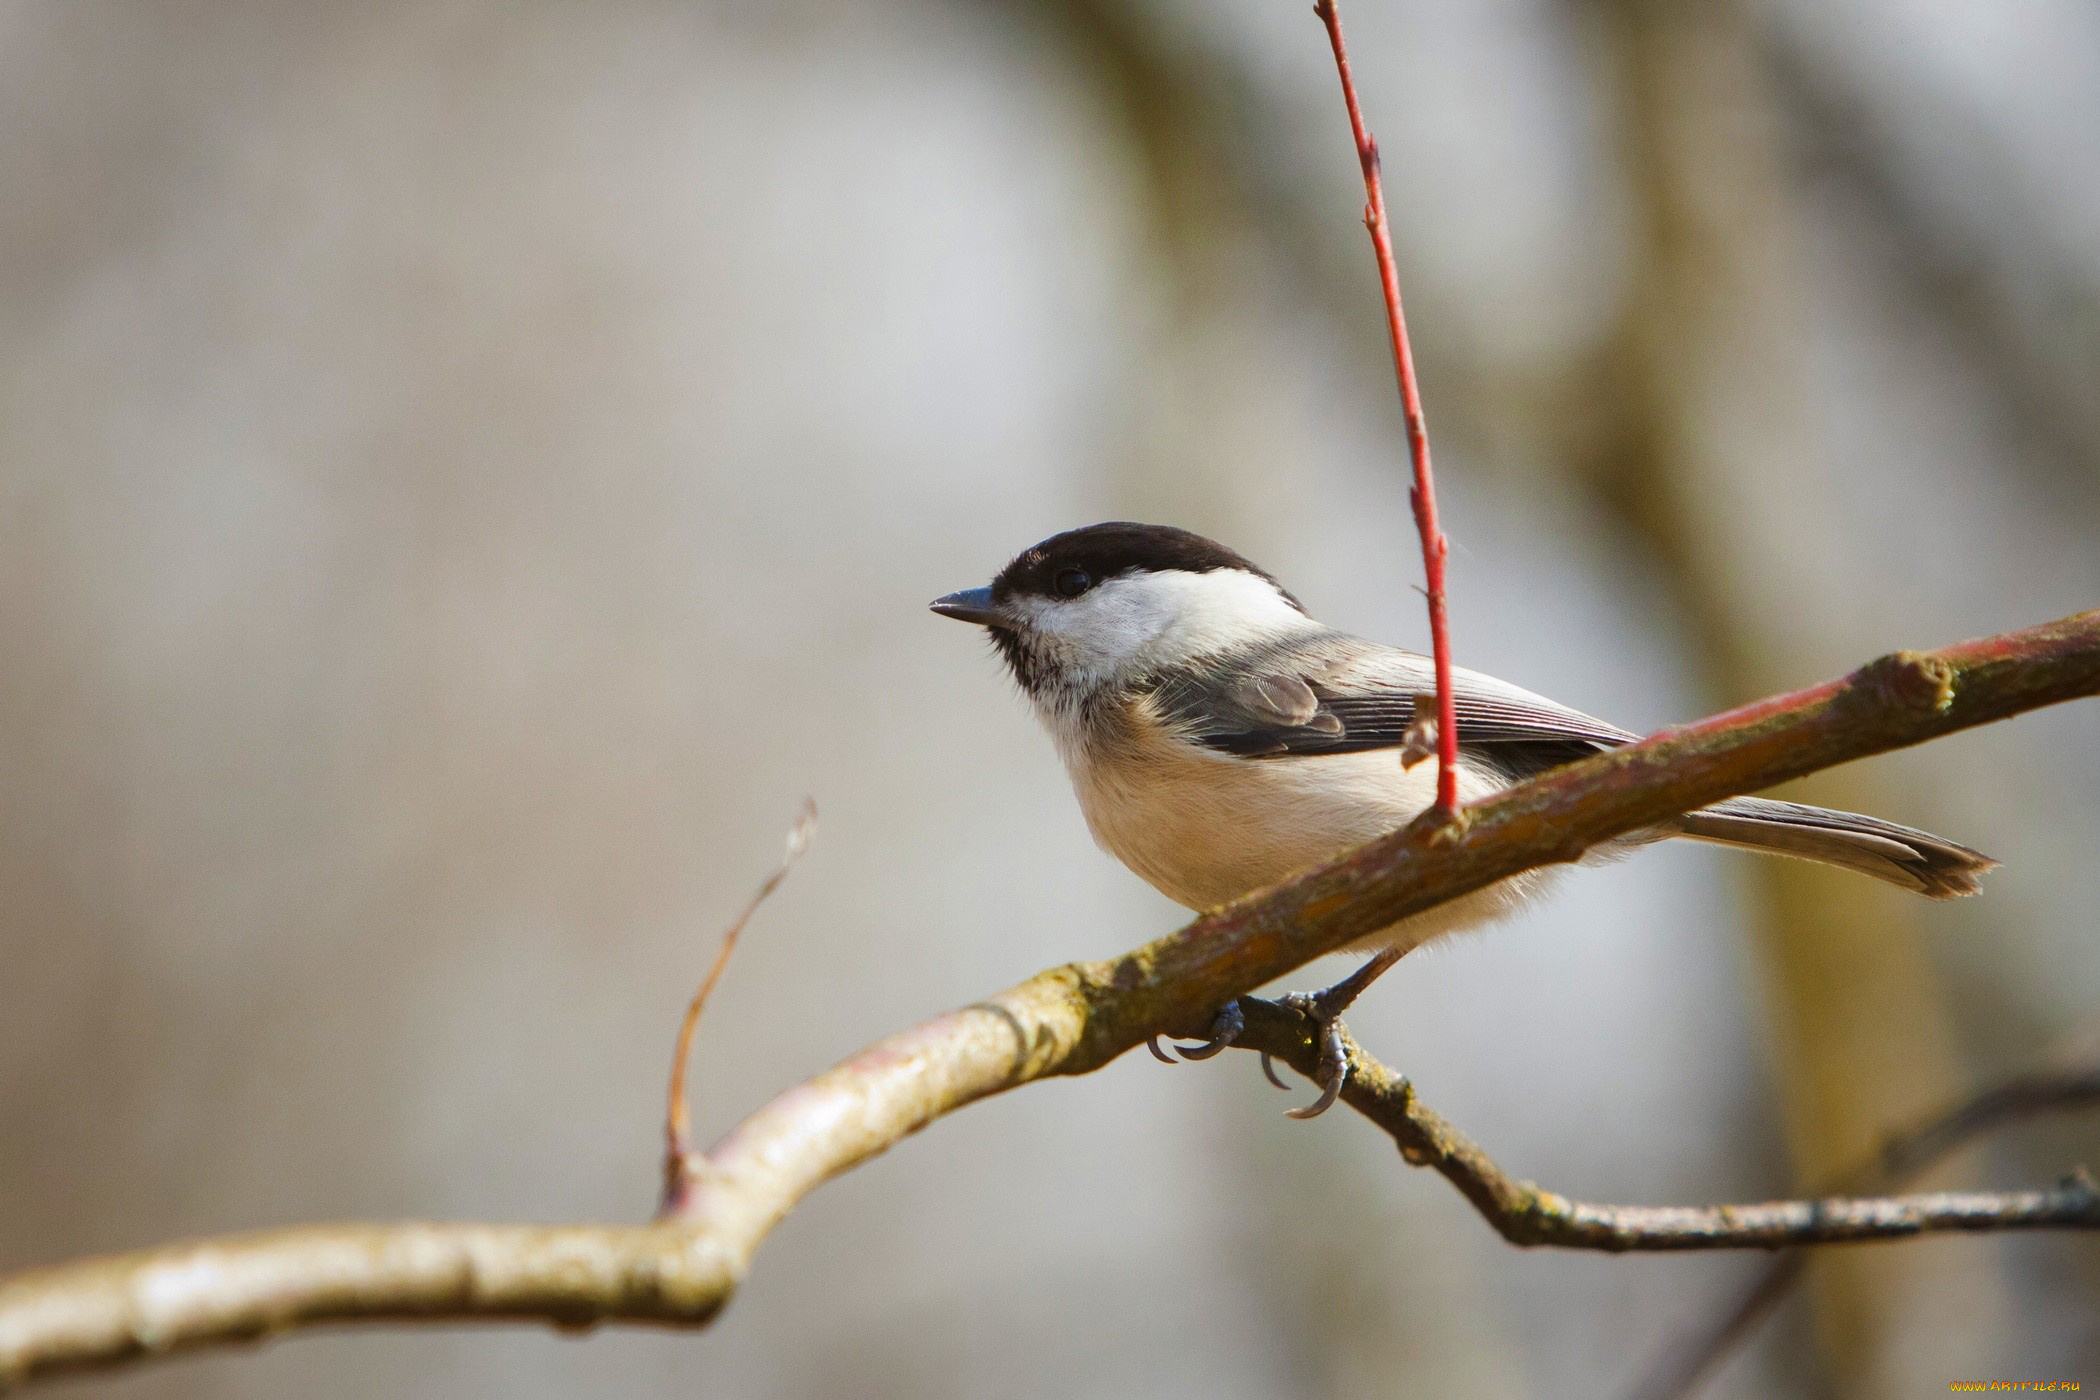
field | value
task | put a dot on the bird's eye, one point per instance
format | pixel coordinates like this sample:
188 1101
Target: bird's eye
1073 582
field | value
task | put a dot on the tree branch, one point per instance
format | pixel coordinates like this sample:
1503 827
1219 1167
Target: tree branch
1069 1020
1524 1214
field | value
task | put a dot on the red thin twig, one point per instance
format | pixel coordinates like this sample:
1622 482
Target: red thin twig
1422 496
679 1158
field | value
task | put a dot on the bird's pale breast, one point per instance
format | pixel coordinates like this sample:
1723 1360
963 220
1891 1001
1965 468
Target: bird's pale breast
1204 828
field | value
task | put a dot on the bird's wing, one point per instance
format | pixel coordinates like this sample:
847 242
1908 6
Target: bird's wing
1326 693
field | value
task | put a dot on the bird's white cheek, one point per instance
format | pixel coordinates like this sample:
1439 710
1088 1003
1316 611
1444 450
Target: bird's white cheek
1099 635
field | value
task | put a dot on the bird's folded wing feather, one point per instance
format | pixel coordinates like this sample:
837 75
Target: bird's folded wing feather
1328 693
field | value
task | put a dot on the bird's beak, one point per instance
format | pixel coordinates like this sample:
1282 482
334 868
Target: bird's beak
970 605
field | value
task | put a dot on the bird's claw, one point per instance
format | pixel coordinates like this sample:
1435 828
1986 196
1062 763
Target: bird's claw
1334 1056
1225 1028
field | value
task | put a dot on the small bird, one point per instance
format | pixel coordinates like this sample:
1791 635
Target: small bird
1220 740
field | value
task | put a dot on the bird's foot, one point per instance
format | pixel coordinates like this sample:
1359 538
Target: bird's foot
1325 1009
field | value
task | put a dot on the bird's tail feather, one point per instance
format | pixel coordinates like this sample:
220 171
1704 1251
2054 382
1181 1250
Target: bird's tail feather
1902 855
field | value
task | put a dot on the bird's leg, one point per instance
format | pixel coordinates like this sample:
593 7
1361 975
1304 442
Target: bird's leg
1326 1008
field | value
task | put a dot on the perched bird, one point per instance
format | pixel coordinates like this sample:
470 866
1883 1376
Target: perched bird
1220 740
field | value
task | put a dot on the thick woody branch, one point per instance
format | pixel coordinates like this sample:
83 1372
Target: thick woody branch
1069 1020
238 1288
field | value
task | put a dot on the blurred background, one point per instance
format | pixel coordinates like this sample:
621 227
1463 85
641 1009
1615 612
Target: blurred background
468 469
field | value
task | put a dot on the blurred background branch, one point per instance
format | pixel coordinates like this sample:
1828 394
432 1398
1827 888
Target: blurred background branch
1719 467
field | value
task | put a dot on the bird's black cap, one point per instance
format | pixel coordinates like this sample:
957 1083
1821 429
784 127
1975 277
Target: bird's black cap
1118 547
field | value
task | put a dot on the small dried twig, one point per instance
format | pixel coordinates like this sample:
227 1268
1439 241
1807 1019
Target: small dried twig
1688 1363
1422 495
680 1162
